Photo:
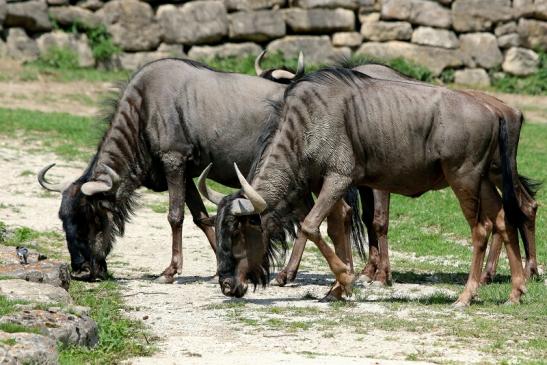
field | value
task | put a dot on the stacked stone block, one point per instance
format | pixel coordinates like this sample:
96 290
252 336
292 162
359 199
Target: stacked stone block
475 37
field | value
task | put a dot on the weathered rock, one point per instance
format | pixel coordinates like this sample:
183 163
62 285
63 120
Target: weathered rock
17 289
509 40
506 28
472 77
193 23
28 348
133 61
533 33
317 49
224 50
417 12
252 4
78 44
30 15
131 24
434 58
256 26
375 30
520 61
531 8
369 6
332 4
67 328
68 15
172 50
347 39
540 9
3 49
57 2
480 49
91 4
20 46
49 272
319 20
435 37
477 15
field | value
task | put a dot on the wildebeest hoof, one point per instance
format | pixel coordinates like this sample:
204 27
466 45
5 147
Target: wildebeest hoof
330 297
275 282
164 279
280 279
364 279
486 278
460 305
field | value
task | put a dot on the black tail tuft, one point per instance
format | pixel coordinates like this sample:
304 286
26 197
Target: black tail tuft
357 227
532 186
513 213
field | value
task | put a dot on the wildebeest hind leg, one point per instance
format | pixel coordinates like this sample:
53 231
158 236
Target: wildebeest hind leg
174 165
475 206
381 226
367 202
493 257
199 212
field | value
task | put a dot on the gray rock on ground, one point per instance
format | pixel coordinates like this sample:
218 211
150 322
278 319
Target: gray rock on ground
131 24
420 12
78 44
20 46
70 329
225 50
27 348
347 39
520 61
252 4
18 289
505 28
472 77
93 5
132 61
435 37
3 11
49 272
68 15
479 15
204 22
331 4
30 15
434 58
509 40
316 49
533 33
480 49
257 26
319 20
375 30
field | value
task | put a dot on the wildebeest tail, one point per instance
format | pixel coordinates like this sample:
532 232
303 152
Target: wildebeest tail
357 227
530 185
513 213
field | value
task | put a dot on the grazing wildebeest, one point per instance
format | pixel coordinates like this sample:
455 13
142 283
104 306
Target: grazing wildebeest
172 119
375 203
346 128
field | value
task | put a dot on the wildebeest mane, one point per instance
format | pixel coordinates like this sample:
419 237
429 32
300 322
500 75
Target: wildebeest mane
351 63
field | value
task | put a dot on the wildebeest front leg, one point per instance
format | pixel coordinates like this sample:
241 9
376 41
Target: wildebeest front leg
332 191
381 225
174 165
288 274
199 212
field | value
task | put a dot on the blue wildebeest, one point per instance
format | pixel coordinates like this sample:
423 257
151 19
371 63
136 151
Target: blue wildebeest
375 203
172 119
345 128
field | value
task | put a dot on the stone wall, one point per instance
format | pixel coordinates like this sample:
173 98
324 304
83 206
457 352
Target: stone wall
472 36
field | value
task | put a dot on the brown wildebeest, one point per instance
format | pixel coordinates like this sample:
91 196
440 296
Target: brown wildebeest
376 204
345 128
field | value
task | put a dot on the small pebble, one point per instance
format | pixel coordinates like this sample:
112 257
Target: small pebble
144 318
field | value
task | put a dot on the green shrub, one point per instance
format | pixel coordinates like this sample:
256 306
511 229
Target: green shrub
411 69
101 43
59 57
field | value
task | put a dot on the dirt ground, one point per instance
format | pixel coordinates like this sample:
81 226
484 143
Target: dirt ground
194 322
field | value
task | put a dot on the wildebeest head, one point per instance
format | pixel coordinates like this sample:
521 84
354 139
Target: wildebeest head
281 75
242 249
90 220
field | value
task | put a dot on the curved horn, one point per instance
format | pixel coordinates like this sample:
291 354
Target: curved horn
209 194
283 74
258 202
47 185
258 69
101 186
300 69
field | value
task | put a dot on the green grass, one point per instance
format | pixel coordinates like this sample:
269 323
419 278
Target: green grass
44 242
8 306
17 328
9 342
119 337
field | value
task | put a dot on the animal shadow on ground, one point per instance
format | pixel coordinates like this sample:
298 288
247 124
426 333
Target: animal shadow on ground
459 278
